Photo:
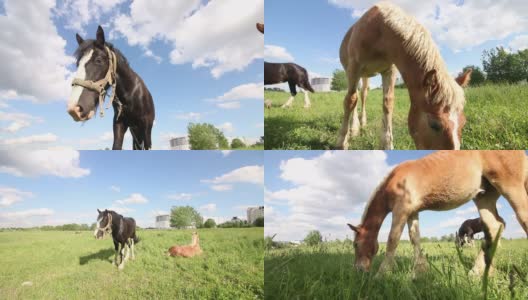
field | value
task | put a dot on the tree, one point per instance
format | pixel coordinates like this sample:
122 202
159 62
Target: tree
313 238
210 223
504 66
259 222
339 81
184 216
206 137
237 143
477 76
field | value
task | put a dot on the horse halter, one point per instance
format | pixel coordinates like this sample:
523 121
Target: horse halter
99 86
108 226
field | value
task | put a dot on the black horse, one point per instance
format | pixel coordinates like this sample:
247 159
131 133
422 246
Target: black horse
467 230
99 67
292 73
123 232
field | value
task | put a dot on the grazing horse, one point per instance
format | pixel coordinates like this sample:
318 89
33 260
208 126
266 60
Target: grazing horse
123 232
441 181
467 230
292 73
383 39
189 250
99 67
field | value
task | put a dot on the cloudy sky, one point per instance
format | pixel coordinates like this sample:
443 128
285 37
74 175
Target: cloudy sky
66 186
310 34
201 60
324 190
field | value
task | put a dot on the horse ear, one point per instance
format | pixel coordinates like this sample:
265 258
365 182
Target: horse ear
80 40
463 79
354 228
430 79
98 210
100 37
260 27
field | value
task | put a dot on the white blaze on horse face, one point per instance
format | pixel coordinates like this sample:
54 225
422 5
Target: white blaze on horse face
81 74
453 117
98 226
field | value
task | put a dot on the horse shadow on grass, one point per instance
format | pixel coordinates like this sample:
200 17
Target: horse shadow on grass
103 255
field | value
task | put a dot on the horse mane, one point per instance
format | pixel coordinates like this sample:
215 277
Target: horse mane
373 196
89 44
418 43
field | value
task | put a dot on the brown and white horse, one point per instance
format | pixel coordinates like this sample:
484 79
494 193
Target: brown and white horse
189 250
443 180
386 38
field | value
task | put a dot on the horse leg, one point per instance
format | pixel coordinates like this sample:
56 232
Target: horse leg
133 256
349 104
293 92
307 103
420 263
398 223
363 95
119 133
138 140
354 123
116 247
148 137
486 204
122 256
388 79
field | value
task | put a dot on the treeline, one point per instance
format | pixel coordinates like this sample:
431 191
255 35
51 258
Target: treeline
499 66
189 217
65 227
204 136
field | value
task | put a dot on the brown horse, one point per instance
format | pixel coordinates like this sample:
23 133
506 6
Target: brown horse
443 181
189 250
383 39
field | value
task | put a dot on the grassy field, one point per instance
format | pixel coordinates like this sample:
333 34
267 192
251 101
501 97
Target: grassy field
327 272
65 265
497 118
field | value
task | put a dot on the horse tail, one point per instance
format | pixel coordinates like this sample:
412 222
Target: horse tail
306 83
136 239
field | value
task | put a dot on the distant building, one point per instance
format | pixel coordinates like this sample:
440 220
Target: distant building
254 213
163 222
321 84
180 143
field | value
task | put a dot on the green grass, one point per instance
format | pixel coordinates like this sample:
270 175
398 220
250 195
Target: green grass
327 272
65 265
497 118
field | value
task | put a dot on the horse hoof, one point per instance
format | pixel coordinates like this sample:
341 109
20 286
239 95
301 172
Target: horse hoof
307 106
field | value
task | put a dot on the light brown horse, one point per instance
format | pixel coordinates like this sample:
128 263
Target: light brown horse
443 180
383 39
189 250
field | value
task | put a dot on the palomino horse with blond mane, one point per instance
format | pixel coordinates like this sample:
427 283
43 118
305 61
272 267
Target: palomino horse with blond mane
189 250
383 39
443 181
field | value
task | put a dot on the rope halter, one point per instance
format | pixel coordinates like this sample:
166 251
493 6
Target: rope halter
108 227
100 86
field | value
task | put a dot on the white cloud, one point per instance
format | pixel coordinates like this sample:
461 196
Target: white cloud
519 42
459 25
226 127
195 116
226 152
10 196
181 196
248 91
27 213
207 35
222 187
78 13
115 188
102 138
325 193
30 140
208 208
16 121
61 162
248 174
31 42
472 210
134 198
121 209
274 53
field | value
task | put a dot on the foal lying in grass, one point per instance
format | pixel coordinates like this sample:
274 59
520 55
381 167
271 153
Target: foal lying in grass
188 250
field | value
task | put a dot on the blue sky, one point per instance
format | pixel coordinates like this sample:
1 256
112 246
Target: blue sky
200 66
71 185
324 190
310 34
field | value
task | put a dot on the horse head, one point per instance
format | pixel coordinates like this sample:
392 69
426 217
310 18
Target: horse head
96 68
365 247
103 225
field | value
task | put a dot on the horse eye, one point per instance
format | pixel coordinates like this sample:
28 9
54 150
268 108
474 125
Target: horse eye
435 125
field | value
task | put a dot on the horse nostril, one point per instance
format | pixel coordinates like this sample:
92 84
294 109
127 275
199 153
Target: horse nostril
79 109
